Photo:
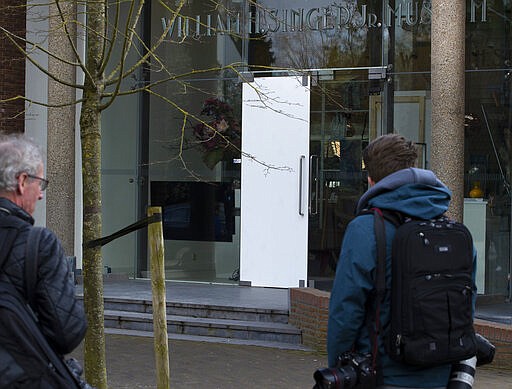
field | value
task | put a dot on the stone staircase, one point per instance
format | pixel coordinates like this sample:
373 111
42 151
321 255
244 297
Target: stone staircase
209 323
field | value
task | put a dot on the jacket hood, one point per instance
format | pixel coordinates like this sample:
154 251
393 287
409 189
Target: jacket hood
414 192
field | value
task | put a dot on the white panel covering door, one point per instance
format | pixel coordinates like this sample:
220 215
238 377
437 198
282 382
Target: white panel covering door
274 195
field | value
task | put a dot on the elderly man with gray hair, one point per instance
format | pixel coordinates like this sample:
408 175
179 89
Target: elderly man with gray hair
59 314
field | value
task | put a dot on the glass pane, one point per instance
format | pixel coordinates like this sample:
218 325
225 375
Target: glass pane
195 177
302 35
339 131
412 108
488 137
412 36
487 166
195 135
204 37
488 32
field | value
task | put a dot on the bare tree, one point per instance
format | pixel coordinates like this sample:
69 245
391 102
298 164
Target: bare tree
115 55
103 34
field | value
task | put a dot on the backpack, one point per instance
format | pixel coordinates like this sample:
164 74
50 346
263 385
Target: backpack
432 289
27 360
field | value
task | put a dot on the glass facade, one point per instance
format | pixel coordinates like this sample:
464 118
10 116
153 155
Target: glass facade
487 132
369 63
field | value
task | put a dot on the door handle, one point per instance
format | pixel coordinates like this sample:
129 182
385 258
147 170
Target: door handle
301 183
313 180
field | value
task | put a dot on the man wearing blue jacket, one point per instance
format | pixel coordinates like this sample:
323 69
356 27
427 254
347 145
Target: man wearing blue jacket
394 185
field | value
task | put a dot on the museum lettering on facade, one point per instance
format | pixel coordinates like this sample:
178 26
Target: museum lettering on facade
331 18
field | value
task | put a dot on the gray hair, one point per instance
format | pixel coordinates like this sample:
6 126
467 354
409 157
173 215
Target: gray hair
18 154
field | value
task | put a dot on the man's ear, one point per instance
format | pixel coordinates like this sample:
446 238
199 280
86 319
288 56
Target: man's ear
370 181
22 181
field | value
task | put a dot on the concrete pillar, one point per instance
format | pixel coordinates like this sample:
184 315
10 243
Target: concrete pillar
60 196
447 61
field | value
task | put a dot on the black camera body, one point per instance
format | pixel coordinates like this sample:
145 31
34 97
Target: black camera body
353 370
485 350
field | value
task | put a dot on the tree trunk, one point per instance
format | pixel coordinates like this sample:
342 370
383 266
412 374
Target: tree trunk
90 134
94 350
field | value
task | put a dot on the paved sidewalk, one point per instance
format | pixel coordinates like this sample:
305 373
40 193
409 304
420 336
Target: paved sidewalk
204 365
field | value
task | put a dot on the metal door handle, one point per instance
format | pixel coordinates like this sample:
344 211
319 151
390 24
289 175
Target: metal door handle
312 178
301 182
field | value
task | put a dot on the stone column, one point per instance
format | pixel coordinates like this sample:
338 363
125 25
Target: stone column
448 54
60 196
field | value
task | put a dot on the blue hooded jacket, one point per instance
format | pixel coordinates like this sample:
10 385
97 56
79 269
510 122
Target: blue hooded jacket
414 192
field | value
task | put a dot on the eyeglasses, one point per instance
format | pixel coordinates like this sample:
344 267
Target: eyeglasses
43 184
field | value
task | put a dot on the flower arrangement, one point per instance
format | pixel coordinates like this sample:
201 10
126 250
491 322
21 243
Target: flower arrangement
219 135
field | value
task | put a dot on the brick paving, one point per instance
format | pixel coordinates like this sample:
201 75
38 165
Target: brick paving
130 364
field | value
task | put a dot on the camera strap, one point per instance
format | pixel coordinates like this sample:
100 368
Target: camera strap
373 321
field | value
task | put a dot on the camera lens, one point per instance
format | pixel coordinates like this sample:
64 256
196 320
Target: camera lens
336 378
462 375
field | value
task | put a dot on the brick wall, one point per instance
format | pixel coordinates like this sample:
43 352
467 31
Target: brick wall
12 66
501 336
309 309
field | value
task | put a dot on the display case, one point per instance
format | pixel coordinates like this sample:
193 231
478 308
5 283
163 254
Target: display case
475 219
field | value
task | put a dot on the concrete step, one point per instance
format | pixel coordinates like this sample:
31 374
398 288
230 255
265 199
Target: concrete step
209 323
213 339
249 330
200 310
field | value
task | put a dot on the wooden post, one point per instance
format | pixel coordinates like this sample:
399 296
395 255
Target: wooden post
156 258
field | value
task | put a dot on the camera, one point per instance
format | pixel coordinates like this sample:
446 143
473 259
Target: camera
485 350
462 375
353 370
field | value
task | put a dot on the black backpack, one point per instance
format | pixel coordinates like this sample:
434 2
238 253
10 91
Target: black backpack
28 361
432 289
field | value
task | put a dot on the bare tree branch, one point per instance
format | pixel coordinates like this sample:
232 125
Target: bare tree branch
36 47
40 103
124 52
68 36
151 52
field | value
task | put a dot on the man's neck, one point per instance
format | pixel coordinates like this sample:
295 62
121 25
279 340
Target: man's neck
11 197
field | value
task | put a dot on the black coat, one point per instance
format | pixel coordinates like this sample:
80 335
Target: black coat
61 315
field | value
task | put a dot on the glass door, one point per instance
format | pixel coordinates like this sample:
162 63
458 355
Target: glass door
341 126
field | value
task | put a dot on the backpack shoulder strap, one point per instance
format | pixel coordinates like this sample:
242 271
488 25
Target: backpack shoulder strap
6 244
394 217
31 262
380 240
10 226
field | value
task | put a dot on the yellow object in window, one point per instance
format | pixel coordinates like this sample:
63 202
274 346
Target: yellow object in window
476 191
